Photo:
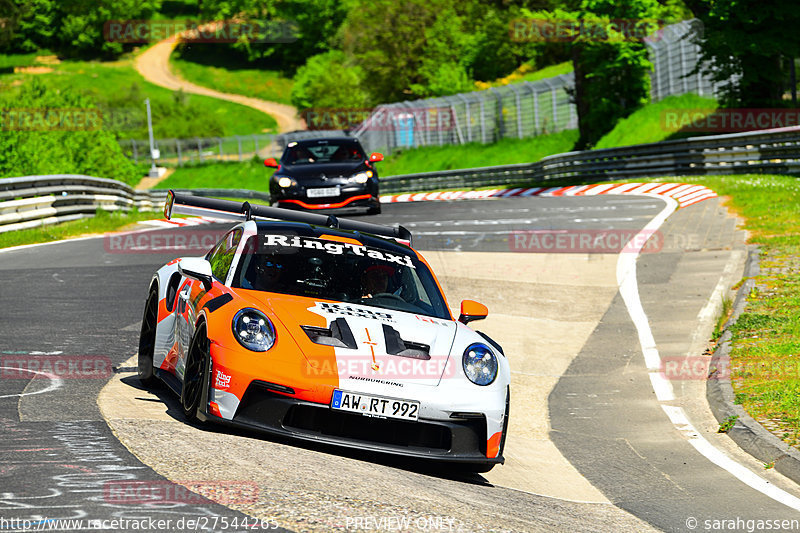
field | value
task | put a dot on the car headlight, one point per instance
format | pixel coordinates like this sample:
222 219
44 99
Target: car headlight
285 182
480 364
253 330
362 177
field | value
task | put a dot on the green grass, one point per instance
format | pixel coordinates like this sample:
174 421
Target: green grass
257 83
647 125
504 152
9 61
120 92
765 356
102 222
252 175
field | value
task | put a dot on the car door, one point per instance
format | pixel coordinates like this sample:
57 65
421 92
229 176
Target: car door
192 291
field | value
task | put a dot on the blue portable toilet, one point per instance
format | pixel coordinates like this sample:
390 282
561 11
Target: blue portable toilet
404 130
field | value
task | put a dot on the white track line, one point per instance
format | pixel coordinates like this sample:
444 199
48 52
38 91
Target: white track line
55 382
629 290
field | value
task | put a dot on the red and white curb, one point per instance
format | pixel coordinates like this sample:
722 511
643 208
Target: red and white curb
181 222
685 194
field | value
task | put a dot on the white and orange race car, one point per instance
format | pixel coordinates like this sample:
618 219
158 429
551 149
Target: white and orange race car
328 330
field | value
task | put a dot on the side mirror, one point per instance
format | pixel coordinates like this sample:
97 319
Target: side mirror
270 162
471 310
196 268
374 157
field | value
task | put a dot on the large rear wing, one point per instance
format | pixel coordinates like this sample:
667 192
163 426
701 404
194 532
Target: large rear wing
188 204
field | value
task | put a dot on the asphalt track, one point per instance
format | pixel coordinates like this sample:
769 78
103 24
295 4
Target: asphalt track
590 447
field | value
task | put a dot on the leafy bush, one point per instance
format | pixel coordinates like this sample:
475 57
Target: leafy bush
27 153
327 81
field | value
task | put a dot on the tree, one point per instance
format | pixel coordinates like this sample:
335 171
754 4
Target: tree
748 44
612 70
328 81
298 29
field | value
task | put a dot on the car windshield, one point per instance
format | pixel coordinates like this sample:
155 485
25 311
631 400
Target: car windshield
339 271
325 152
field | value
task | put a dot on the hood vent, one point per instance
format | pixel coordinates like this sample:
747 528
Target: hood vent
338 335
397 346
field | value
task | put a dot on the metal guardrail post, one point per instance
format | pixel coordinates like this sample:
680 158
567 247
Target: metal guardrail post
178 149
199 150
239 141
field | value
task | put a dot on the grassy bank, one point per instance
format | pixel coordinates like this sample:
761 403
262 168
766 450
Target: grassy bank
647 125
257 83
504 152
119 91
102 222
252 175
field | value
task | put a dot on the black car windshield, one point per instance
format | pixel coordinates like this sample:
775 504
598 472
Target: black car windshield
327 152
341 271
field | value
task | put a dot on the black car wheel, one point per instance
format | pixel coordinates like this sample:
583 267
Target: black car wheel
147 340
194 377
374 210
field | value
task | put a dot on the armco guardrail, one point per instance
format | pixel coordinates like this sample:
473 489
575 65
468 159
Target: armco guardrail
775 151
39 200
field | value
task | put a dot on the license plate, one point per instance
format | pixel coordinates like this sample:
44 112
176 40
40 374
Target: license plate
370 405
322 192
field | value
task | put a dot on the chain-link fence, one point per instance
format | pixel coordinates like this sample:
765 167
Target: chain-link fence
675 54
518 110
179 152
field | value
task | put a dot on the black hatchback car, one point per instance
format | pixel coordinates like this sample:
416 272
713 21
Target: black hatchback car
329 173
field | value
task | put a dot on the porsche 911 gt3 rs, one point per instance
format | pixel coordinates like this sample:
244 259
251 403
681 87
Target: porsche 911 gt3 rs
327 330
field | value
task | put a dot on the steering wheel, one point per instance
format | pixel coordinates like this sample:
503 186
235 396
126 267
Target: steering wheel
388 295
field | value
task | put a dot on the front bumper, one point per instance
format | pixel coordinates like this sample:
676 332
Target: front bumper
350 195
455 440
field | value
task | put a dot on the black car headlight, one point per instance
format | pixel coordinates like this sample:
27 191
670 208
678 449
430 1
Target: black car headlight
361 177
480 364
285 182
253 330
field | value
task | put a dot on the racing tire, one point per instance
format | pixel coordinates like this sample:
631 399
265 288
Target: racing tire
374 210
147 340
194 377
